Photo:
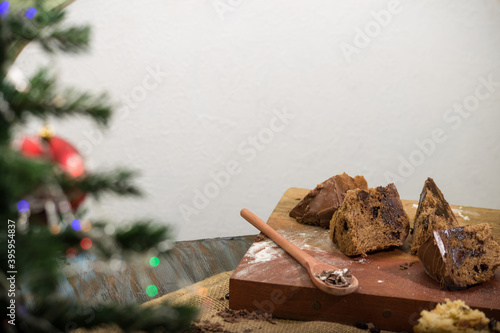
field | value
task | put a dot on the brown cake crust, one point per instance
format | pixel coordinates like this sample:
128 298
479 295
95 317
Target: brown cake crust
460 257
369 220
433 213
318 206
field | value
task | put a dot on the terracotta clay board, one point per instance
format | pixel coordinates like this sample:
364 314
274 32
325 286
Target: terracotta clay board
393 289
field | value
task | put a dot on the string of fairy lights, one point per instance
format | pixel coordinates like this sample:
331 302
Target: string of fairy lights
5 6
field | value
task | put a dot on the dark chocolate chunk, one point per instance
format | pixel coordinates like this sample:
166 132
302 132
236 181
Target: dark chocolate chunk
338 278
361 325
363 195
493 325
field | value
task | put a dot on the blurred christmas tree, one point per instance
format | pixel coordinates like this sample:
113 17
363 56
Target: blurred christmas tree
42 184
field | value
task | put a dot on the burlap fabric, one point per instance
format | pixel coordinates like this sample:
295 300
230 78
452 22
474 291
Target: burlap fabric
208 296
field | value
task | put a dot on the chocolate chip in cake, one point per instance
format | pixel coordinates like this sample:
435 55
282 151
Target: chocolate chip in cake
363 195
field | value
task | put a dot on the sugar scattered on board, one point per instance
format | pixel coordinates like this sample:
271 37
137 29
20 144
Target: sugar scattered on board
315 239
459 213
362 261
263 251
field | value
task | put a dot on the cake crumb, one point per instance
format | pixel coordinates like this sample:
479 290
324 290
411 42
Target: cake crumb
236 316
454 316
207 326
407 265
260 237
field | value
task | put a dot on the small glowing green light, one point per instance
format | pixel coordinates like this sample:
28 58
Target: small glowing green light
151 290
154 261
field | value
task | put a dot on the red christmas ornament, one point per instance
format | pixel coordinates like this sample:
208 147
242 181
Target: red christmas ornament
60 151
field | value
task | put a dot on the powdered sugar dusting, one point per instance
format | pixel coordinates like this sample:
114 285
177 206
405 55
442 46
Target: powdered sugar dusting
362 261
459 213
263 251
315 239
258 256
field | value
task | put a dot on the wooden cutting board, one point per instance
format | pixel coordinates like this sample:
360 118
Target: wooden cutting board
393 286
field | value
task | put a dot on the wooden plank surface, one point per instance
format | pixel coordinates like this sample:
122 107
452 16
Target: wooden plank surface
187 263
394 287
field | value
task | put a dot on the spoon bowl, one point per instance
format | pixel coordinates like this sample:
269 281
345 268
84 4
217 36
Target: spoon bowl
320 267
313 266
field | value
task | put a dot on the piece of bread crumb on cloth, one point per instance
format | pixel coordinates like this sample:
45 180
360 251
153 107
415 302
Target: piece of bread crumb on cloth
453 317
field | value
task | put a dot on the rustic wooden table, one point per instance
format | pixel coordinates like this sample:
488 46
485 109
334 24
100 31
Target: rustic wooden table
188 263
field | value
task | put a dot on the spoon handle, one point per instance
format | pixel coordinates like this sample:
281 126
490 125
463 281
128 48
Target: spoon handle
303 258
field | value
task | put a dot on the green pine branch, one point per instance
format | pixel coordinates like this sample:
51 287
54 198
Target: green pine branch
108 182
45 28
43 99
135 237
63 315
70 40
18 177
38 260
141 235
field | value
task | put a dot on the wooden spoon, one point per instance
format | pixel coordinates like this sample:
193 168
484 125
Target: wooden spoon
314 267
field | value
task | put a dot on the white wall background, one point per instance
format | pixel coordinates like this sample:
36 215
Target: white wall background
230 64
